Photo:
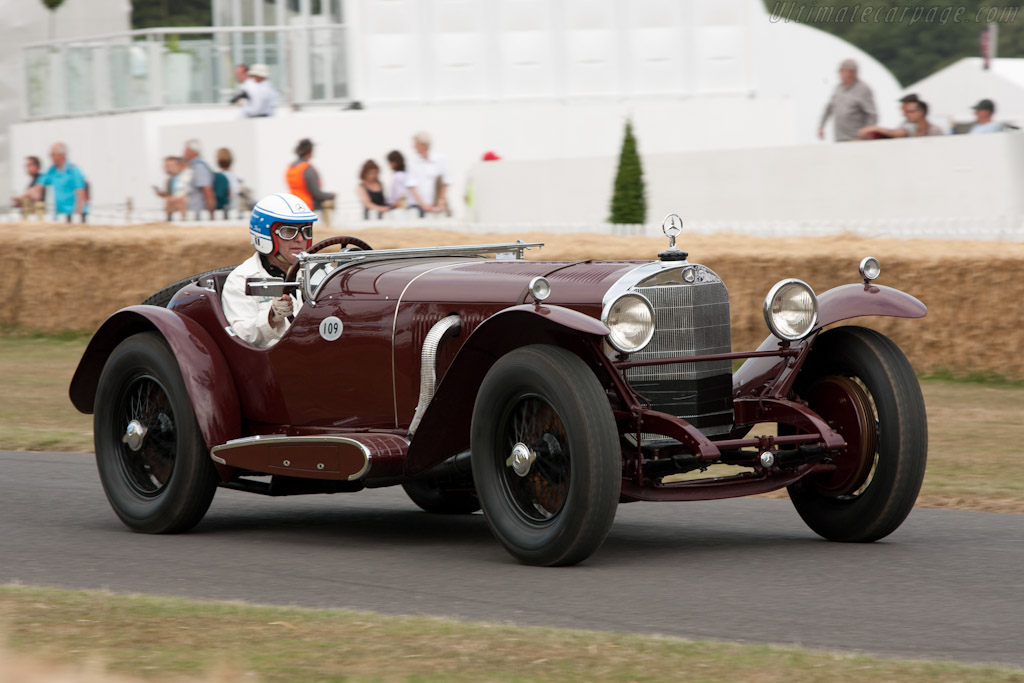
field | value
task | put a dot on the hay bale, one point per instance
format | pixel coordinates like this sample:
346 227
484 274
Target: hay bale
61 281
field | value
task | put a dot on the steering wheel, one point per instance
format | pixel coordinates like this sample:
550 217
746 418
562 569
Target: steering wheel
347 243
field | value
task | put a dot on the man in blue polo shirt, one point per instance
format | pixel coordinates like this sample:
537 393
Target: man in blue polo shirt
68 184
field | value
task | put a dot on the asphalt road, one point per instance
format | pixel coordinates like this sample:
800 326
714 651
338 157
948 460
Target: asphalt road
947 585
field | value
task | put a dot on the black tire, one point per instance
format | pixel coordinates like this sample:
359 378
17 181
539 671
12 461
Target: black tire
883 477
436 499
166 484
547 399
162 297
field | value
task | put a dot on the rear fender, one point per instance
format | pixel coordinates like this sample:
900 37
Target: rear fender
208 380
839 303
444 430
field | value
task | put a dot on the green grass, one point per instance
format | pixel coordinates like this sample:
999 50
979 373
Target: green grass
155 637
35 411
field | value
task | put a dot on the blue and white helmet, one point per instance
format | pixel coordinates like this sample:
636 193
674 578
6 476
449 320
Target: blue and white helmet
276 208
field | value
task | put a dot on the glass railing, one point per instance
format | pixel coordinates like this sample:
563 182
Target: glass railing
156 68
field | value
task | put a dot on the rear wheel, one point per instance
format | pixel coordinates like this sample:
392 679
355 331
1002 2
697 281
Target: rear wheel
545 456
151 457
863 385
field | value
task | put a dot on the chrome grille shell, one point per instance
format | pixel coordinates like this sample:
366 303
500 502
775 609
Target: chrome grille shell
691 318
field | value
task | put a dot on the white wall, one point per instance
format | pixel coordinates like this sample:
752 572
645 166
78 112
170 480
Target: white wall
26 21
528 79
909 180
121 154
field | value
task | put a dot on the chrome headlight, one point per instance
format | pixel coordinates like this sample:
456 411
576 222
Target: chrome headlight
791 309
630 319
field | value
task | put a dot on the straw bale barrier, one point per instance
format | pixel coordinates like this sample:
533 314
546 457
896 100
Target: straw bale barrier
64 277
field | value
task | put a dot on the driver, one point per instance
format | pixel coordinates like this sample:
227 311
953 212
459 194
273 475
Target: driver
280 227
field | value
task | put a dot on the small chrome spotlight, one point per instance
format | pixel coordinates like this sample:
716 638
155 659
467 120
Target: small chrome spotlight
540 288
869 268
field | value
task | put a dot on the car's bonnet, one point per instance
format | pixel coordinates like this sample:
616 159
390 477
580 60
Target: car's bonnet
478 280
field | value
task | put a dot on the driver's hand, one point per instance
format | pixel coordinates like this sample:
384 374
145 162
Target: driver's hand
280 309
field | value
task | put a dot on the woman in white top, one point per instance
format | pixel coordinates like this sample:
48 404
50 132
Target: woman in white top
398 198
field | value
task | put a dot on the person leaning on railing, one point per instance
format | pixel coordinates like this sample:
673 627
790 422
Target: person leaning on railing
915 125
70 191
303 180
35 194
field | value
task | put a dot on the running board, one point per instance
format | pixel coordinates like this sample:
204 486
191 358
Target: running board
347 457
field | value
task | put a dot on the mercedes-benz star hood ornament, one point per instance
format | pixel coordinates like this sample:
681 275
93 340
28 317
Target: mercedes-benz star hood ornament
672 226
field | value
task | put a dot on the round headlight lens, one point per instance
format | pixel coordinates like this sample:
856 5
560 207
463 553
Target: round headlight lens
791 309
630 319
870 268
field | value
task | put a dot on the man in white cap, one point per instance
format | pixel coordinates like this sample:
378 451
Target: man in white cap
261 97
852 104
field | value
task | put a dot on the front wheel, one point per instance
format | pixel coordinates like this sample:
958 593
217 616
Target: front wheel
545 454
151 457
863 385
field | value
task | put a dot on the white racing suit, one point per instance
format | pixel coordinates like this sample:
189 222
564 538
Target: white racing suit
250 315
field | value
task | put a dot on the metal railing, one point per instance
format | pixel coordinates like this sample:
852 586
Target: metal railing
972 228
188 66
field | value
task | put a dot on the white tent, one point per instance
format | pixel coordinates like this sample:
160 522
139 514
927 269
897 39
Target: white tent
954 90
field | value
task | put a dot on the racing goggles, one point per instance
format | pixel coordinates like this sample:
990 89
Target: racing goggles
290 232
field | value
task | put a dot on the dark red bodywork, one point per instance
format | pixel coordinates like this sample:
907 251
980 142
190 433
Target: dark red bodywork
368 381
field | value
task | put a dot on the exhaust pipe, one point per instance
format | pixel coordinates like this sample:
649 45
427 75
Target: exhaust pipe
428 364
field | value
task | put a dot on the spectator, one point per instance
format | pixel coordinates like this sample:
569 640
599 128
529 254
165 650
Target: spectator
428 177
852 103
234 183
244 83
303 180
200 187
399 196
370 191
179 177
915 125
261 97
35 192
223 189
983 112
70 195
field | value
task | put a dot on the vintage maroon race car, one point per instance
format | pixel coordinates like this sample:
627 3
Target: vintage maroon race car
544 392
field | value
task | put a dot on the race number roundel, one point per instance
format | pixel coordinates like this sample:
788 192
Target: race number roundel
330 328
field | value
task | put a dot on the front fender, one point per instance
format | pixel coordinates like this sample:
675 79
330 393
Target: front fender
208 380
852 301
839 303
444 429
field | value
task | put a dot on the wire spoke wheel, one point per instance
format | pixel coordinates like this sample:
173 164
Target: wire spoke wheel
545 454
146 429
541 491
151 456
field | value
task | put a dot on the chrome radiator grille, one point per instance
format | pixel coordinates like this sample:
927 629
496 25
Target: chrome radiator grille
690 319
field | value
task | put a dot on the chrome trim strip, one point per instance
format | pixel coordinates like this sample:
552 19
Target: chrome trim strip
279 438
378 254
394 330
630 279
